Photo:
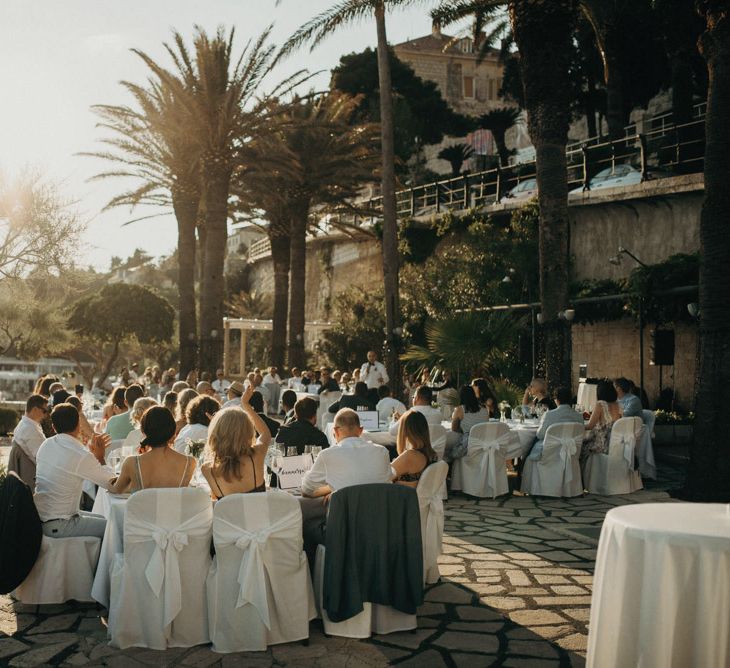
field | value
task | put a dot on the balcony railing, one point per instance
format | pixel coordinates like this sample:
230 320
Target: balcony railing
662 151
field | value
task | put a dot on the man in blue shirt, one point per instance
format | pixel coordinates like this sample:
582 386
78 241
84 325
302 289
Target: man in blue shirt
563 413
630 403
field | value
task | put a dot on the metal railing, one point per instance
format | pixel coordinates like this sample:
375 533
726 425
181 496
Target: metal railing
662 151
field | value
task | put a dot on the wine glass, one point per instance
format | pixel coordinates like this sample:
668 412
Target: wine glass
291 451
307 449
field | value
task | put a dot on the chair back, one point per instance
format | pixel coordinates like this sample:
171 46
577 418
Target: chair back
21 464
431 506
625 435
374 550
563 441
115 444
438 433
486 433
166 534
258 542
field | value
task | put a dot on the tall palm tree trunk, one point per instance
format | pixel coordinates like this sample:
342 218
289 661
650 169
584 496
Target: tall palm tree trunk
214 208
502 150
709 469
539 28
186 213
390 220
297 292
280 256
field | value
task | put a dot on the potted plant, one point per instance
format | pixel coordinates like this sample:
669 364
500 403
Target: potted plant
673 428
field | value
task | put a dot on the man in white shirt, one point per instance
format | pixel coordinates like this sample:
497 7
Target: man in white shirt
272 384
296 379
233 394
373 372
220 384
387 405
28 434
422 404
63 464
353 461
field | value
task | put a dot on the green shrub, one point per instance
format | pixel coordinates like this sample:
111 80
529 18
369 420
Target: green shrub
673 418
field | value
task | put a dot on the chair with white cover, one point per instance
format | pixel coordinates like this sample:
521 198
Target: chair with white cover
647 465
158 585
438 434
482 471
431 506
326 399
615 473
325 419
64 571
557 472
374 617
259 589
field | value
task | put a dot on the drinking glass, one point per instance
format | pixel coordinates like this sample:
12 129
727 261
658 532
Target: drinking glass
316 449
307 449
291 451
115 461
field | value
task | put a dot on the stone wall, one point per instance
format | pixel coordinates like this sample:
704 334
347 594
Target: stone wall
611 349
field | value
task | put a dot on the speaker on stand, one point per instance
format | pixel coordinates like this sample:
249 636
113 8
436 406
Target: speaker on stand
662 351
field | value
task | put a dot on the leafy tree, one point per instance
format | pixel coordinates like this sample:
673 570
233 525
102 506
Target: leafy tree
708 476
421 112
314 32
116 314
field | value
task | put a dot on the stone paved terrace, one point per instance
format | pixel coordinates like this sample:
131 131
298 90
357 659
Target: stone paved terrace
515 591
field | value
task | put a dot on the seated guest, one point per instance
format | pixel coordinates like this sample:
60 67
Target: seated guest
257 403
183 399
468 413
329 384
233 395
354 462
236 463
288 401
360 401
180 385
198 414
271 383
422 403
86 430
114 405
630 404
220 384
62 465
134 438
345 382
303 430
119 426
296 379
204 387
536 394
54 389
387 406
562 413
158 465
27 439
485 396
446 383
414 449
169 401
598 429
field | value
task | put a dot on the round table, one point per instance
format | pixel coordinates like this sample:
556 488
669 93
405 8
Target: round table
661 591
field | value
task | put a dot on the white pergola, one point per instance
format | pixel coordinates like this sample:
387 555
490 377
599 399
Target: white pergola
245 325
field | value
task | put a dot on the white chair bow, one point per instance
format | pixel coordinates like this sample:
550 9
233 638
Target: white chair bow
253 570
488 465
568 450
164 565
628 442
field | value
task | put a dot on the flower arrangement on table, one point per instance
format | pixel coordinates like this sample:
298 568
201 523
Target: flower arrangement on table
195 447
505 410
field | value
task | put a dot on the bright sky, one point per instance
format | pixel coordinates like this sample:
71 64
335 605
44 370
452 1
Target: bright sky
59 57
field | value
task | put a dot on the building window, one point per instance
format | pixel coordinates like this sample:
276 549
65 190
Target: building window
466 45
492 96
468 86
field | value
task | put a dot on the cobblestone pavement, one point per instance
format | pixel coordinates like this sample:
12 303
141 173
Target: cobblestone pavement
515 591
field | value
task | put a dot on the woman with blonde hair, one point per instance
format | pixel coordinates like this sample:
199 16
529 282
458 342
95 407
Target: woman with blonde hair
134 437
414 449
235 457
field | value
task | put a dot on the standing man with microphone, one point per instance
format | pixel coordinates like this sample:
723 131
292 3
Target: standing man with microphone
373 372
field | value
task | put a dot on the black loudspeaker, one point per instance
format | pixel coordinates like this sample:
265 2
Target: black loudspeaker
662 347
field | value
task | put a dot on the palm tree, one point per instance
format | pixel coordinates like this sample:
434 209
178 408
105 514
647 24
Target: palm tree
498 121
456 155
314 32
329 159
218 96
151 146
709 469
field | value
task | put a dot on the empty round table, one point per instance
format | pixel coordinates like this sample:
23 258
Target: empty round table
661 591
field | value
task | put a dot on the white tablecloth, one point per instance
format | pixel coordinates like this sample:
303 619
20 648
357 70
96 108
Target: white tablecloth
527 433
587 396
661 592
113 507
307 395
